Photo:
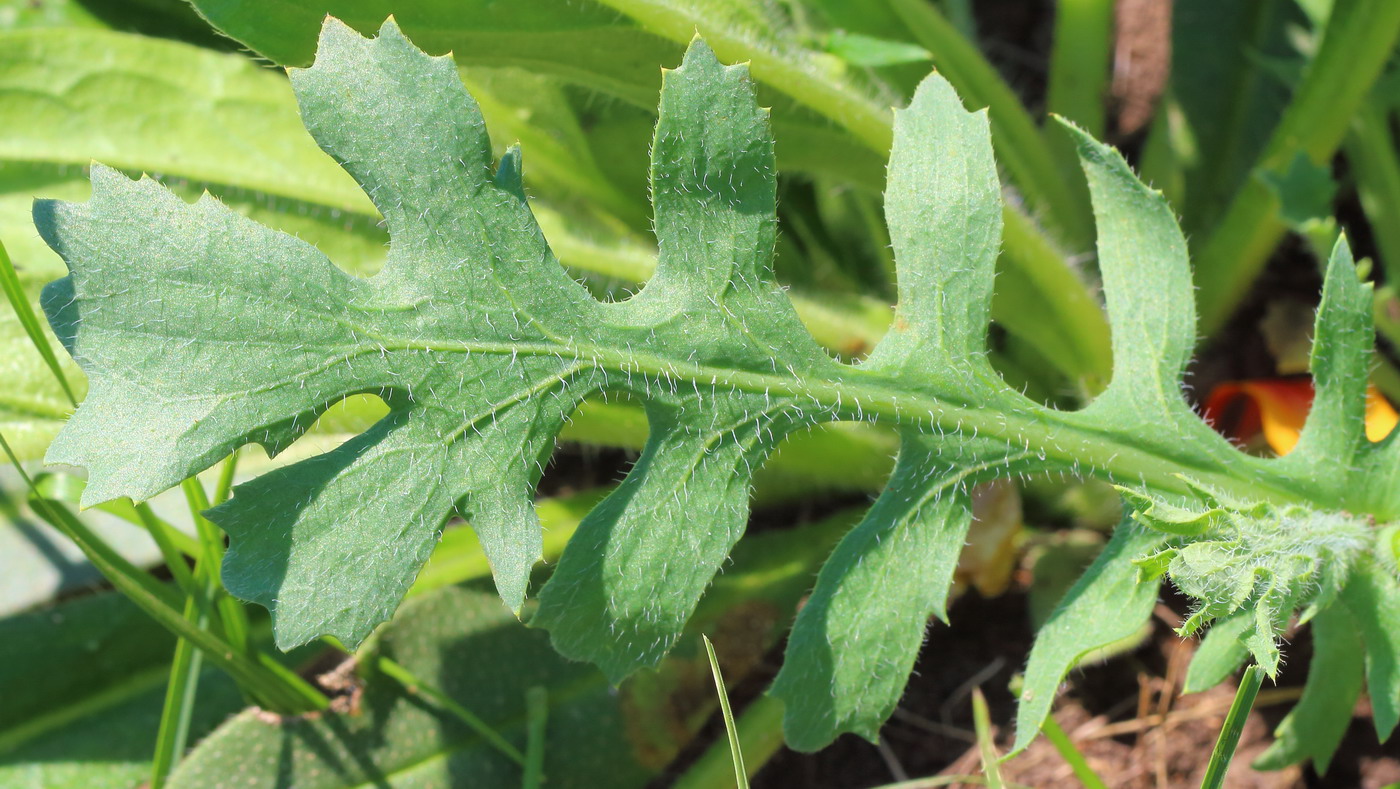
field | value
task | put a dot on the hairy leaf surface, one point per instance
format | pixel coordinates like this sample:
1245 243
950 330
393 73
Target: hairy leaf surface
201 331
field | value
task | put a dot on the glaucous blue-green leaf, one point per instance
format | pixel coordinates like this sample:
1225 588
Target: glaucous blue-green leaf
202 330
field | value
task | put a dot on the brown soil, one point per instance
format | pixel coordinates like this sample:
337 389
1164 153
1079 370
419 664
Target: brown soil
1127 716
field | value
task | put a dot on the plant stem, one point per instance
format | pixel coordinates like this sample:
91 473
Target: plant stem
867 119
1372 152
180 691
982 723
1359 40
1072 756
536 716
1063 441
1079 62
231 614
161 532
226 474
1234 725
273 681
759 734
14 293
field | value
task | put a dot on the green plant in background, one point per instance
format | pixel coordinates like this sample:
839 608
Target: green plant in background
479 373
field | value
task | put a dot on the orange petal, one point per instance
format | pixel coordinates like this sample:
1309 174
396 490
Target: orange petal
1278 407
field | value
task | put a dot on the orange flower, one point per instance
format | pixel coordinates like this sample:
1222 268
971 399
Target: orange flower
1277 408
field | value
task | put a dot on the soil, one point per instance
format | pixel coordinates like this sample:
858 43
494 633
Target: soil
1127 716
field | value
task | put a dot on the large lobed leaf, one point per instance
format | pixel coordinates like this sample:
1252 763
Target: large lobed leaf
202 331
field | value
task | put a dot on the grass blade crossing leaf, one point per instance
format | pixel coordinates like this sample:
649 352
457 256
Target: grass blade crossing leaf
736 753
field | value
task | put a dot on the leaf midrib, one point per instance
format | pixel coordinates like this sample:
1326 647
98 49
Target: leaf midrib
1070 446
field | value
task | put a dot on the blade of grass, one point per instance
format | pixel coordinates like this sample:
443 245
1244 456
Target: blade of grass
14 293
536 715
174 545
1375 162
982 723
412 684
1072 755
166 539
741 776
231 614
226 474
1234 725
285 691
760 733
1079 58
180 693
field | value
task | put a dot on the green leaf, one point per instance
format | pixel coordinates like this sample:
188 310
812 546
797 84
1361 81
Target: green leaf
1107 604
209 117
159 107
469 647
830 120
848 657
1314 727
83 684
856 639
1304 190
1373 598
587 43
202 331
1228 102
1255 559
1340 363
1221 653
862 50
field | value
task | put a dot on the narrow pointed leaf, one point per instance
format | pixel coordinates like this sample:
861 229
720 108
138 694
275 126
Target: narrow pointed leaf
1107 604
1220 654
857 637
1314 727
1150 299
1373 598
1343 342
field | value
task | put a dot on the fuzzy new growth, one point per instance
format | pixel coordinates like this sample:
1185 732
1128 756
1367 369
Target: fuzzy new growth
1258 558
